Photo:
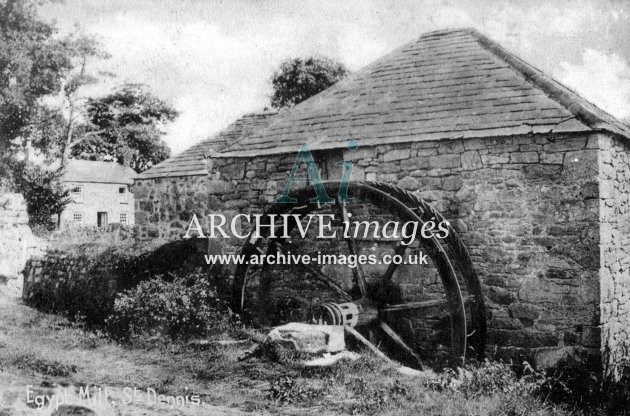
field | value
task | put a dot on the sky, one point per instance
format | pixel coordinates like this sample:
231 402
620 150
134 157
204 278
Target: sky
213 60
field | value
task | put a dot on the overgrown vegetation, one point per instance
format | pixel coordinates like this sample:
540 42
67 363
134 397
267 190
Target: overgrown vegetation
46 367
182 308
580 382
163 294
576 386
370 386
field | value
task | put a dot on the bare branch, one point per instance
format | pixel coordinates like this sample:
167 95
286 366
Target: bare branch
86 136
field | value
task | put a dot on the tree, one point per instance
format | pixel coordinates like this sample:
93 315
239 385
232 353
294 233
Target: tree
56 128
32 65
82 48
126 125
301 78
45 196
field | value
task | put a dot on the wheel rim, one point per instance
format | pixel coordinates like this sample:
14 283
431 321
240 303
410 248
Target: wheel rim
449 257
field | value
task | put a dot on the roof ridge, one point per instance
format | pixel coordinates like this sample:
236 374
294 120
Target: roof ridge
447 31
203 148
594 117
238 121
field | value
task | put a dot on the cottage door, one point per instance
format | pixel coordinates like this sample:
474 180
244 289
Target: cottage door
101 219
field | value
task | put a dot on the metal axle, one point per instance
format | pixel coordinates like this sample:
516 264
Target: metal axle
357 313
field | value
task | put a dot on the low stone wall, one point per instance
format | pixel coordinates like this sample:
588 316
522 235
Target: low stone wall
52 270
527 207
85 278
17 242
77 284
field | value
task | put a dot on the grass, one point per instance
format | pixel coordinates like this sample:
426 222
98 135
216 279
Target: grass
38 348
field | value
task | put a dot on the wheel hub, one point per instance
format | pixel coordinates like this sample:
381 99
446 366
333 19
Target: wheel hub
360 312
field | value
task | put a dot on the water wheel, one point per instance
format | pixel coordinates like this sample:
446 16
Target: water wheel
420 313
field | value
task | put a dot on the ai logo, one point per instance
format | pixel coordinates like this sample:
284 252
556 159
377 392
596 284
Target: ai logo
304 155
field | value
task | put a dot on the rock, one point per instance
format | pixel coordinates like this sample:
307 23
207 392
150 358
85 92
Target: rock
412 372
71 410
398 154
521 310
489 160
445 161
218 187
409 183
329 359
525 157
452 183
550 357
471 160
310 338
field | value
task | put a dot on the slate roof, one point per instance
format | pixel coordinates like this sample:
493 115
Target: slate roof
191 161
97 172
453 84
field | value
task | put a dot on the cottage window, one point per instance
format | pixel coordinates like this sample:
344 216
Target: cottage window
77 217
77 191
123 218
122 190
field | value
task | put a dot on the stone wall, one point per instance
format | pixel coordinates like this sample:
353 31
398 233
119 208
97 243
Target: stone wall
17 242
50 270
84 279
527 208
614 168
71 283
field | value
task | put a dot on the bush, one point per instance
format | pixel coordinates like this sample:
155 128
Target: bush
182 308
45 196
579 382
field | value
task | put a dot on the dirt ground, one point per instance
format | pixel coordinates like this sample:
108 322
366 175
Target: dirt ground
48 363
46 355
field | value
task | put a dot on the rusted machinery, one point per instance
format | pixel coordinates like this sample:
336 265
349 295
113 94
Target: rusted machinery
416 313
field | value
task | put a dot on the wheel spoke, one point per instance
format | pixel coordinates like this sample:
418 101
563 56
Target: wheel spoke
398 251
399 341
424 304
310 269
367 343
358 272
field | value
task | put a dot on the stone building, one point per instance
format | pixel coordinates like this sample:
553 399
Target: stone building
534 177
169 193
100 192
